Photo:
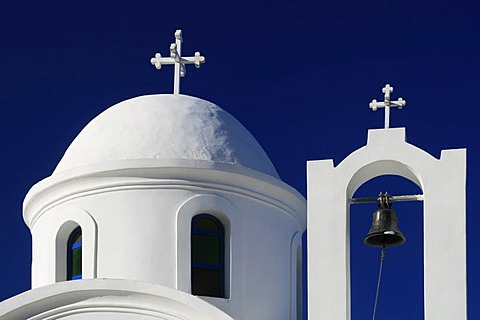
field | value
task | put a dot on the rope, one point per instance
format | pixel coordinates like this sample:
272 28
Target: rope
382 258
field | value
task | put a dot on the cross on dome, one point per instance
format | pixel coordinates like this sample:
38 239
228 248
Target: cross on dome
177 59
387 103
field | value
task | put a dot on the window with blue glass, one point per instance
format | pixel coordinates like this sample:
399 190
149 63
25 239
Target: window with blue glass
74 255
208 256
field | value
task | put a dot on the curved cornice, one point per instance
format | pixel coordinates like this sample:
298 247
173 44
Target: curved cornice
161 174
107 295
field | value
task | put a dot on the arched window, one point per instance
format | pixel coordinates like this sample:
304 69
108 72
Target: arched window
74 255
208 256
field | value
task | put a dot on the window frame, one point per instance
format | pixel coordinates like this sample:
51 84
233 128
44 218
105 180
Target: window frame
220 233
71 245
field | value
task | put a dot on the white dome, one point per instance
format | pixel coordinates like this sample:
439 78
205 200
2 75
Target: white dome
166 127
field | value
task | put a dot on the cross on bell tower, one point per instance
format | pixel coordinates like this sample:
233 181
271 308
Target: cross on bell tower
387 103
177 59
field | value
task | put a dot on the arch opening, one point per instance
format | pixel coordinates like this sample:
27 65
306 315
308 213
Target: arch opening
382 168
402 274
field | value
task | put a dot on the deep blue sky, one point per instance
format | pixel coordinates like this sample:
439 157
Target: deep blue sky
298 74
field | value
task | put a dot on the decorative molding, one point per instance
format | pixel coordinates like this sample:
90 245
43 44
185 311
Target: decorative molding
141 174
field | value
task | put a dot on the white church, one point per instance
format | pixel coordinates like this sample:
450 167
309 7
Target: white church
166 207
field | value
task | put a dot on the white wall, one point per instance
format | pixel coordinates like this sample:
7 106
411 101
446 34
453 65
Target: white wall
139 228
443 182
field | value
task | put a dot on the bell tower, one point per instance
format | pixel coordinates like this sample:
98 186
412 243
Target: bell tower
330 192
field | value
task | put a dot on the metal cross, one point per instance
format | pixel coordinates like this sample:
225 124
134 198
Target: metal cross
400 103
177 59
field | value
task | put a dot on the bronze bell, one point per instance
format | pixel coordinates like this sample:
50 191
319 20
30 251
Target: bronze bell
384 231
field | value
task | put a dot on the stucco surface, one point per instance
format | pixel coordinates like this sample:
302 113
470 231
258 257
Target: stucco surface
107 299
330 188
166 127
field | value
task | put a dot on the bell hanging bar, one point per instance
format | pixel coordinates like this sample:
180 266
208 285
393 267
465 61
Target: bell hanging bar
413 197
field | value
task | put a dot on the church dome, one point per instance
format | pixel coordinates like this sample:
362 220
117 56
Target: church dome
166 127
